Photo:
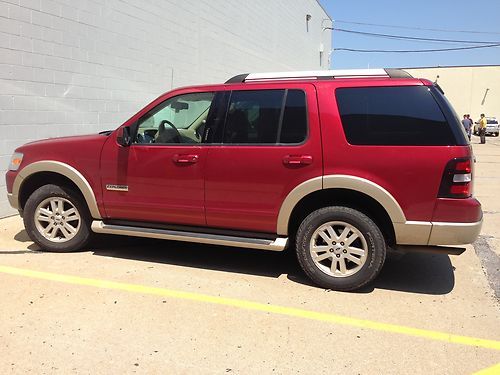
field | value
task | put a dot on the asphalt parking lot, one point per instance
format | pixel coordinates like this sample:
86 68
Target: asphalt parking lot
145 306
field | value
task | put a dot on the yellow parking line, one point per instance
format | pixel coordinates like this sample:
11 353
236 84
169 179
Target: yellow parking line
493 370
255 306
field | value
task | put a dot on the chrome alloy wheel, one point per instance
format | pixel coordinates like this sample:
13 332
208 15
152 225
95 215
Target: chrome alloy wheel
57 219
338 249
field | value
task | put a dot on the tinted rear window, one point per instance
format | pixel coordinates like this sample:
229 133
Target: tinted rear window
393 116
266 117
294 128
253 116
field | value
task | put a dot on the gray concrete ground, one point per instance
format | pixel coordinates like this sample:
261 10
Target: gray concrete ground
487 185
68 327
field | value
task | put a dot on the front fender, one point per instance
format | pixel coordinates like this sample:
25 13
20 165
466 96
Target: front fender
60 168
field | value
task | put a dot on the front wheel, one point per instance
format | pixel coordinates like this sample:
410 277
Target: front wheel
340 248
56 219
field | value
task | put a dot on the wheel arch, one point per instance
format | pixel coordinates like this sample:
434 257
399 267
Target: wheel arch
41 173
352 191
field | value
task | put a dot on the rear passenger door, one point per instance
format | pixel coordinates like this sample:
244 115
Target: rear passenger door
270 143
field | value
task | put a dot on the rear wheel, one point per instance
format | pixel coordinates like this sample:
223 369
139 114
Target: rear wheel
56 219
340 248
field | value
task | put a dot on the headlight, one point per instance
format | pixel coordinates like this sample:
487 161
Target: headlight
15 161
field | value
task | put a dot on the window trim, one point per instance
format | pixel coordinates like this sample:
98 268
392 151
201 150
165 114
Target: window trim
282 116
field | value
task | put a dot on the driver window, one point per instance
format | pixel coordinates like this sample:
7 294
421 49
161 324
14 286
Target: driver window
180 119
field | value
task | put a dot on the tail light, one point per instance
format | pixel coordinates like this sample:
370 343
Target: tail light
457 179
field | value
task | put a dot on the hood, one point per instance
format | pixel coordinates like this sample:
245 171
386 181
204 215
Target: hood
101 137
71 150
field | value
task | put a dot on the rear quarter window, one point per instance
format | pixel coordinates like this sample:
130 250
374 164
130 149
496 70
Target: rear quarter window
400 115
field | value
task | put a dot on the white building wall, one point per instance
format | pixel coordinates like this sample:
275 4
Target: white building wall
72 67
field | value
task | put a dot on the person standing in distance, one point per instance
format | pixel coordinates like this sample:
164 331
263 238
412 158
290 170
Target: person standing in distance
482 128
466 122
471 126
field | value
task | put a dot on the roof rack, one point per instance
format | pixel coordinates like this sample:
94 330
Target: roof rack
320 74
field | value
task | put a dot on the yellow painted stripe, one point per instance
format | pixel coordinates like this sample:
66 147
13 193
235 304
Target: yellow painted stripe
493 370
256 306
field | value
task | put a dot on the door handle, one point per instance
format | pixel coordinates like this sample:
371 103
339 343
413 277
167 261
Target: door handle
185 158
296 160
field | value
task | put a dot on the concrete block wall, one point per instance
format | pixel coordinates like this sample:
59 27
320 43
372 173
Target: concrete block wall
73 67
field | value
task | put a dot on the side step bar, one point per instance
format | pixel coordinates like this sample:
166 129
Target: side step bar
279 244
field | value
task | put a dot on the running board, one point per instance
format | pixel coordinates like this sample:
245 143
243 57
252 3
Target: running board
279 244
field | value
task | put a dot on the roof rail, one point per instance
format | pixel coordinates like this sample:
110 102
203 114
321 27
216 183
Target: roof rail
320 74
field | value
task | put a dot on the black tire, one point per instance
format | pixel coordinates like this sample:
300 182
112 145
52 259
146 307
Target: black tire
35 227
374 243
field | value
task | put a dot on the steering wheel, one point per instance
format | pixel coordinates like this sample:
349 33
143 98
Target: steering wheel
177 137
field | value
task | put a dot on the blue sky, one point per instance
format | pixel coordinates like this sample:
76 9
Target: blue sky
471 15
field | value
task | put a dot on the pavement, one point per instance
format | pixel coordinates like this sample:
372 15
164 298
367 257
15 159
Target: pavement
487 185
129 305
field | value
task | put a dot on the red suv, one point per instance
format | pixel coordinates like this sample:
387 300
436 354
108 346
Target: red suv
339 165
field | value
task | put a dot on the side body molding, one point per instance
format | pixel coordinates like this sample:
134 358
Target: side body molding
359 184
62 169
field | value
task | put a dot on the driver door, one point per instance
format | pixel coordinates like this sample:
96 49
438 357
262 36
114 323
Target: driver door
159 178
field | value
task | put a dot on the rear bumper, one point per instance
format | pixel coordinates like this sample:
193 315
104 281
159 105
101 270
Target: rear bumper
436 233
454 233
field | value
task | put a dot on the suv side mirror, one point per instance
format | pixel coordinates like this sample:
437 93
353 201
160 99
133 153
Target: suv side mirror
123 137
